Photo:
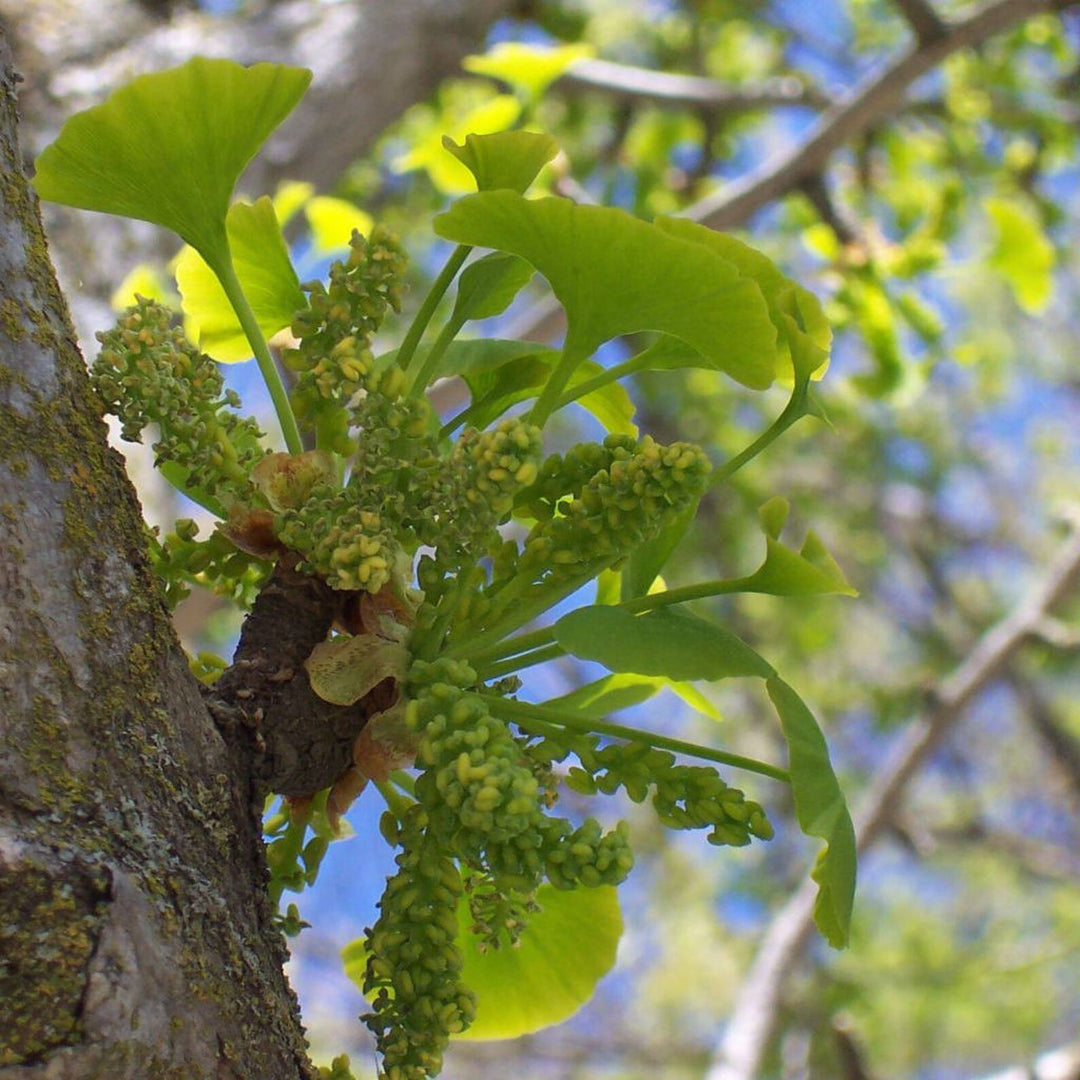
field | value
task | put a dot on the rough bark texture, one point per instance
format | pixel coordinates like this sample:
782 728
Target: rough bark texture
135 935
372 59
302 744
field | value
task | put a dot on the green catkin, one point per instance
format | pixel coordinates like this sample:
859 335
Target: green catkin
148 373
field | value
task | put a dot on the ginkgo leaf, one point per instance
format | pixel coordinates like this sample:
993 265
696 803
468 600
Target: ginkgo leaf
617 275
1022 254
266 276
447 173
568 946
488 286
529 68
332 222
782 295
503 159
821 811
169 147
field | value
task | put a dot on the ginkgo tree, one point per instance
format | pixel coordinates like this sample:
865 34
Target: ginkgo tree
403 567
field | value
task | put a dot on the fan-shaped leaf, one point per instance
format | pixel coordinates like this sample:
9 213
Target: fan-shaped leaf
169 147
617 275
266 275
504 159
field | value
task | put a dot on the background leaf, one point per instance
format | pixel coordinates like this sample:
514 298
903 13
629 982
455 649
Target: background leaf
1022 254
266 275
617 275
529 68
169 147
332 222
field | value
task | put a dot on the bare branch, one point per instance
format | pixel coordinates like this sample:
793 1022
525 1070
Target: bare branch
865 105
752 1021
924 21
627 83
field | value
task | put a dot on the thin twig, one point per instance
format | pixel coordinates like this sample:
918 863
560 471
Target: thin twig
926 24
623 82
752 1021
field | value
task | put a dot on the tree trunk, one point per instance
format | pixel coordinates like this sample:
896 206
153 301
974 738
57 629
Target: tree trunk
136 939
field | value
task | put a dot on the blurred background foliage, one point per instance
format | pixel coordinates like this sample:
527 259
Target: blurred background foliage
942 235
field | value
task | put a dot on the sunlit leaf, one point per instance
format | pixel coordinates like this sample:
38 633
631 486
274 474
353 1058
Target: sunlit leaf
169 147
143 280
568 946
289 199
488 286
617 275
610 694
821 811
1022 254
782 295
266 275
666 642
529 68
332 222
447 173
565 951
503 159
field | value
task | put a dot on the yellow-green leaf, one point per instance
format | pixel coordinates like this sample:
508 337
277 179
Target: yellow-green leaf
504 159
332 222
169 147
528 68
266 275
1022 254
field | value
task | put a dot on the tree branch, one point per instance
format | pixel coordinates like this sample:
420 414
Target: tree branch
753 1019
624 82
859 110
924 21
866 104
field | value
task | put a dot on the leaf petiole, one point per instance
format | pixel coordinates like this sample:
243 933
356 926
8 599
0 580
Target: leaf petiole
431 302
539 717
226 274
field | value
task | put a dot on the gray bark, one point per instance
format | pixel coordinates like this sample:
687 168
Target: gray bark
135 934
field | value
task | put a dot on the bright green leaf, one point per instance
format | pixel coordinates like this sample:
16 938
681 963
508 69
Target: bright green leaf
488 286
666 642
693 697
447 173
143 280
782 295
266 275
610 694
529 68
568 946
773 515
617 275
1022 254
332 222
503 159
169 147
821 811
289 199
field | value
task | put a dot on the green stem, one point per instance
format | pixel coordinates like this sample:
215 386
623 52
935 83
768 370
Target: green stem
431 361
431 302
522 713
521 643
249 324
548 401
608 375
518 663
403 780
793 410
